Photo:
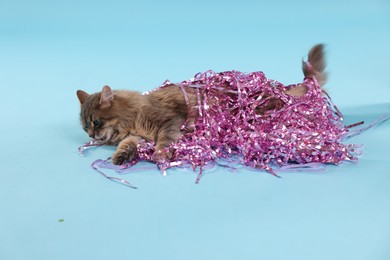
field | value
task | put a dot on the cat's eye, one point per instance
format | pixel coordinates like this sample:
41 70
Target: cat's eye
97 123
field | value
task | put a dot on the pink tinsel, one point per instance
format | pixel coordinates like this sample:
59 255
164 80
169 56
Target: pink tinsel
306 130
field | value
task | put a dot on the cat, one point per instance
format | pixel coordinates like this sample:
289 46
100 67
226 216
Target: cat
124 118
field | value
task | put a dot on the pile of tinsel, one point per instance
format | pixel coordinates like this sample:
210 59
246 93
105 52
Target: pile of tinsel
306 130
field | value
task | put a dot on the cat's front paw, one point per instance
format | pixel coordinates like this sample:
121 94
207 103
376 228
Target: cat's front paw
123 155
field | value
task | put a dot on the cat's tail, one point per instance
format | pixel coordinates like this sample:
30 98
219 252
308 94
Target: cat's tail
315 66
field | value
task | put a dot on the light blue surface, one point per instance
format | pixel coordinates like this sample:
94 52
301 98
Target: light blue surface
49 49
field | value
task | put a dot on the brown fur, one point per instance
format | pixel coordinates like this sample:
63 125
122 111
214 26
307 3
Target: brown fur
124 118
316 58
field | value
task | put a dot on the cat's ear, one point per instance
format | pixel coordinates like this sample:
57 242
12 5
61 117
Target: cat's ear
82 96
106 96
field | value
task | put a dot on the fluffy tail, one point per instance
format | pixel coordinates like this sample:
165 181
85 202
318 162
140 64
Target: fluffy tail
317 64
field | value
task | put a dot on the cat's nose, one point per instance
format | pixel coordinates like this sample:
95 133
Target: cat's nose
91 135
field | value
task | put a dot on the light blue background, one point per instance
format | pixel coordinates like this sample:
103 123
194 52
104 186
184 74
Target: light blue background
49 49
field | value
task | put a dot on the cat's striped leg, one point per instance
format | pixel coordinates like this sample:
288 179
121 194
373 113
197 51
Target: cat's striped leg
126 150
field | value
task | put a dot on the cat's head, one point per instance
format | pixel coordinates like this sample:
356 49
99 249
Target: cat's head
98 115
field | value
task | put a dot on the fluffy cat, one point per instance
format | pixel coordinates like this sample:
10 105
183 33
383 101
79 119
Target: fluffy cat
124 118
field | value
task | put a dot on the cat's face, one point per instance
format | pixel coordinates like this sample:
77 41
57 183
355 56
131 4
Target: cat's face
98 118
